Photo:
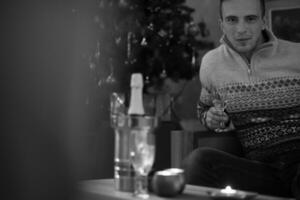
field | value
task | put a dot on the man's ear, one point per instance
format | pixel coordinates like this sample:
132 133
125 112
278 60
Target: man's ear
264 20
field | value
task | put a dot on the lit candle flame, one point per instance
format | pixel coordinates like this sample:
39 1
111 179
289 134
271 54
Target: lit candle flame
228 190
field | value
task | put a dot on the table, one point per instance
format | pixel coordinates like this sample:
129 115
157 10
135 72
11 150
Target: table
104 189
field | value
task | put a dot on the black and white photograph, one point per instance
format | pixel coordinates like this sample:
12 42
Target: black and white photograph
150 99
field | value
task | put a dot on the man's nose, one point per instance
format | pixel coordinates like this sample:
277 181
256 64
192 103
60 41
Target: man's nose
241 27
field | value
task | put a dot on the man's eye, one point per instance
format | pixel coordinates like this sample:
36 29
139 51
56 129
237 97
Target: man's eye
231 20
251 19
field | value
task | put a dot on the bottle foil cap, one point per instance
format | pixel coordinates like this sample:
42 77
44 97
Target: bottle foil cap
136 80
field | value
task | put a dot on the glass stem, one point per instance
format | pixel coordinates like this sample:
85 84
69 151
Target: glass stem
141 186
222 125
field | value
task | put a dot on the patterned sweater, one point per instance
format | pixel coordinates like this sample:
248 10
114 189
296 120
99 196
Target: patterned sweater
263 95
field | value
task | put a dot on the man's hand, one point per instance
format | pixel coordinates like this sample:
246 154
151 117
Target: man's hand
216 118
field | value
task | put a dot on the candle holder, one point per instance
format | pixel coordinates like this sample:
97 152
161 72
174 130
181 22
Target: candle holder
169 182
232 194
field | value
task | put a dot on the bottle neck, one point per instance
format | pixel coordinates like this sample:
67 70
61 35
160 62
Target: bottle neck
136 102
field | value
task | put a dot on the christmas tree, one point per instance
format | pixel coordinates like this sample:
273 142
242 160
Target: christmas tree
157 38
154 37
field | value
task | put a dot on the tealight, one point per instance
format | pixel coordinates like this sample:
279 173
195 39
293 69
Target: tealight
229 193
228 190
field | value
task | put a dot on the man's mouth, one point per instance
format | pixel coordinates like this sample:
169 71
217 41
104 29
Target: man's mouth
243 39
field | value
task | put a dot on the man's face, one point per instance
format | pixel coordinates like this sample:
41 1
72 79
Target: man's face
242 23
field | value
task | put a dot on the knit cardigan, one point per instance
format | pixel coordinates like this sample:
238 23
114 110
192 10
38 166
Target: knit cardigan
263 95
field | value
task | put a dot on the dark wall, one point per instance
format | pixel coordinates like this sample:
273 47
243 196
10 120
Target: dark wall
44 129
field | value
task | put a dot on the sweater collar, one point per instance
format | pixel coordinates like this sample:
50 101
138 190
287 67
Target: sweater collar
271 41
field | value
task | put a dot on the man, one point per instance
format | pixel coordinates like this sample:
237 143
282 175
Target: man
259 75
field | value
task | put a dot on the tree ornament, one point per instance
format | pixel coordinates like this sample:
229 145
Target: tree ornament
203 29
157 9
96 19
101 4
92 66
97 52
144 42
118 40
193 29
123 3
100 83
111 78
150 26
129 37
162 33
147 80
193 61
163 74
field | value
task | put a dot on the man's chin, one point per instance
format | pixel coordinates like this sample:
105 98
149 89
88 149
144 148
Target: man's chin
243 49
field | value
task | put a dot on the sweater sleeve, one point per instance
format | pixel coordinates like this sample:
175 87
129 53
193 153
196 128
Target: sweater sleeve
205 100
202 107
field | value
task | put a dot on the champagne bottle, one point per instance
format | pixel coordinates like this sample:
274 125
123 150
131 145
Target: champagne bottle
141 139
136 96
129 125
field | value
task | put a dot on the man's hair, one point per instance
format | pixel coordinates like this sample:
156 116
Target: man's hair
262 5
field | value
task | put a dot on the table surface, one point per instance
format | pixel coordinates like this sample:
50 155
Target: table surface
104 189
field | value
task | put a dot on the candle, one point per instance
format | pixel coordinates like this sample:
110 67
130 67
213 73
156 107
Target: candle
230 193
228 190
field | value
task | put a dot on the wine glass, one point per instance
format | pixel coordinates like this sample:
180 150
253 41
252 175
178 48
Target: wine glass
142 153
220 103
117 107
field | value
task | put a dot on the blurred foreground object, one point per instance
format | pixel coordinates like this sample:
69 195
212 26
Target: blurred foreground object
168 182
